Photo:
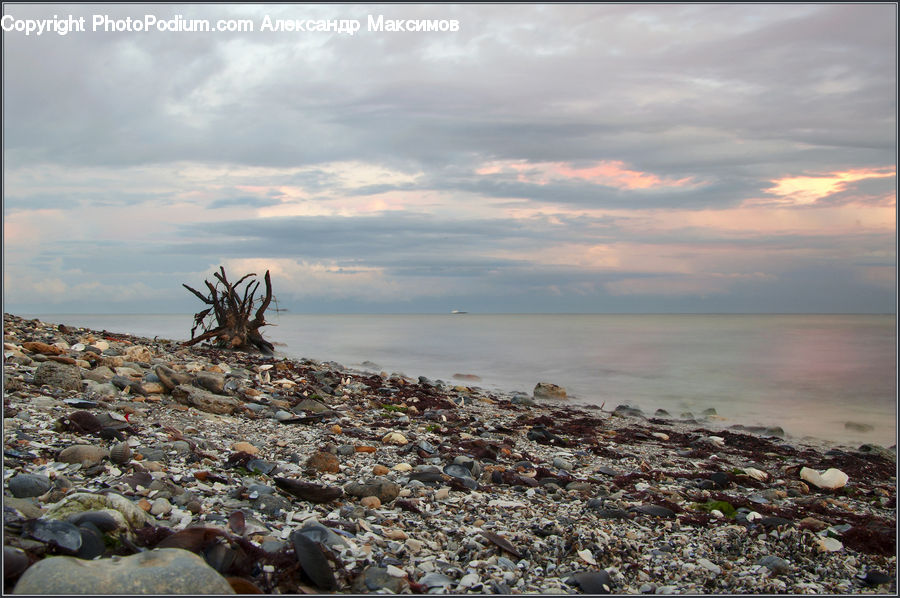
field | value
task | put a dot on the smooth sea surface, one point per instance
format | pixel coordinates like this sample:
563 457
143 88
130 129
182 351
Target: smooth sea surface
809 374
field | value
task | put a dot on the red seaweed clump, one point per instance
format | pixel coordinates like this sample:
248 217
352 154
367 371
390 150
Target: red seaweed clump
871 539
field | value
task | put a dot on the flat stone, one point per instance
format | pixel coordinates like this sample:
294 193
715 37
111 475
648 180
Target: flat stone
25 485
159 571
245 447
775 564
205 400
384 489
709 565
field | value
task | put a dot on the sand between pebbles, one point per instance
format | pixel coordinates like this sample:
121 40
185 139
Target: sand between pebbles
294 476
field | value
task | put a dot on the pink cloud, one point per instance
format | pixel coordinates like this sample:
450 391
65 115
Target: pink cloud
610 173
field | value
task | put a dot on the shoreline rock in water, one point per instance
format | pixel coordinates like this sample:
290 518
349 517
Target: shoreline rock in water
294 476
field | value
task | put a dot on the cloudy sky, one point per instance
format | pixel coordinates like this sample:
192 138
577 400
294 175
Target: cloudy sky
543 158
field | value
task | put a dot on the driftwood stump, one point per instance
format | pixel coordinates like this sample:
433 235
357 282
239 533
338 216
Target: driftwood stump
227 320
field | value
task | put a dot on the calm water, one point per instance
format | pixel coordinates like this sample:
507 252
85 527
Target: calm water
810 374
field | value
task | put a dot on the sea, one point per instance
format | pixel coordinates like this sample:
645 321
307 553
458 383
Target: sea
831 378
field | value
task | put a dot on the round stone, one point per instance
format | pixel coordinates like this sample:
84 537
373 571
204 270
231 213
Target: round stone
159 571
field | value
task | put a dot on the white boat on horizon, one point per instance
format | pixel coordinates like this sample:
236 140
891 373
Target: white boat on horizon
456 311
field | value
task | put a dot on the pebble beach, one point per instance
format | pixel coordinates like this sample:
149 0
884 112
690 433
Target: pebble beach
139 466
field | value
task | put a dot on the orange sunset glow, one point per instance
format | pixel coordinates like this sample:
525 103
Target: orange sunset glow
803 190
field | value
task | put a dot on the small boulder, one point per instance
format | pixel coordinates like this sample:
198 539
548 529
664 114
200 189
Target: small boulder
58 375
86 454
159 571
323 462
138 353
546 390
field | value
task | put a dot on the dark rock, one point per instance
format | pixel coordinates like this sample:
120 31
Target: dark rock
720 479
261 466
100 520
654 511
457 471
609 471
593 582
876 578
311 492
472 465
773 521
92 544
628 410
15 561
313 562
25 485
55 533
502 542
271 504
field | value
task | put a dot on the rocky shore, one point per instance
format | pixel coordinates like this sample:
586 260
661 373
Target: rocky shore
136 466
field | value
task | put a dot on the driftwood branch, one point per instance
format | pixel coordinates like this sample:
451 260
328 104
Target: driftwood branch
230 325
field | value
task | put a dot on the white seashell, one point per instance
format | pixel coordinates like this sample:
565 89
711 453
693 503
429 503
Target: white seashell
717 440
753 516
717 513
78 347
660 435
263 368
756 474
587 556
831 479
